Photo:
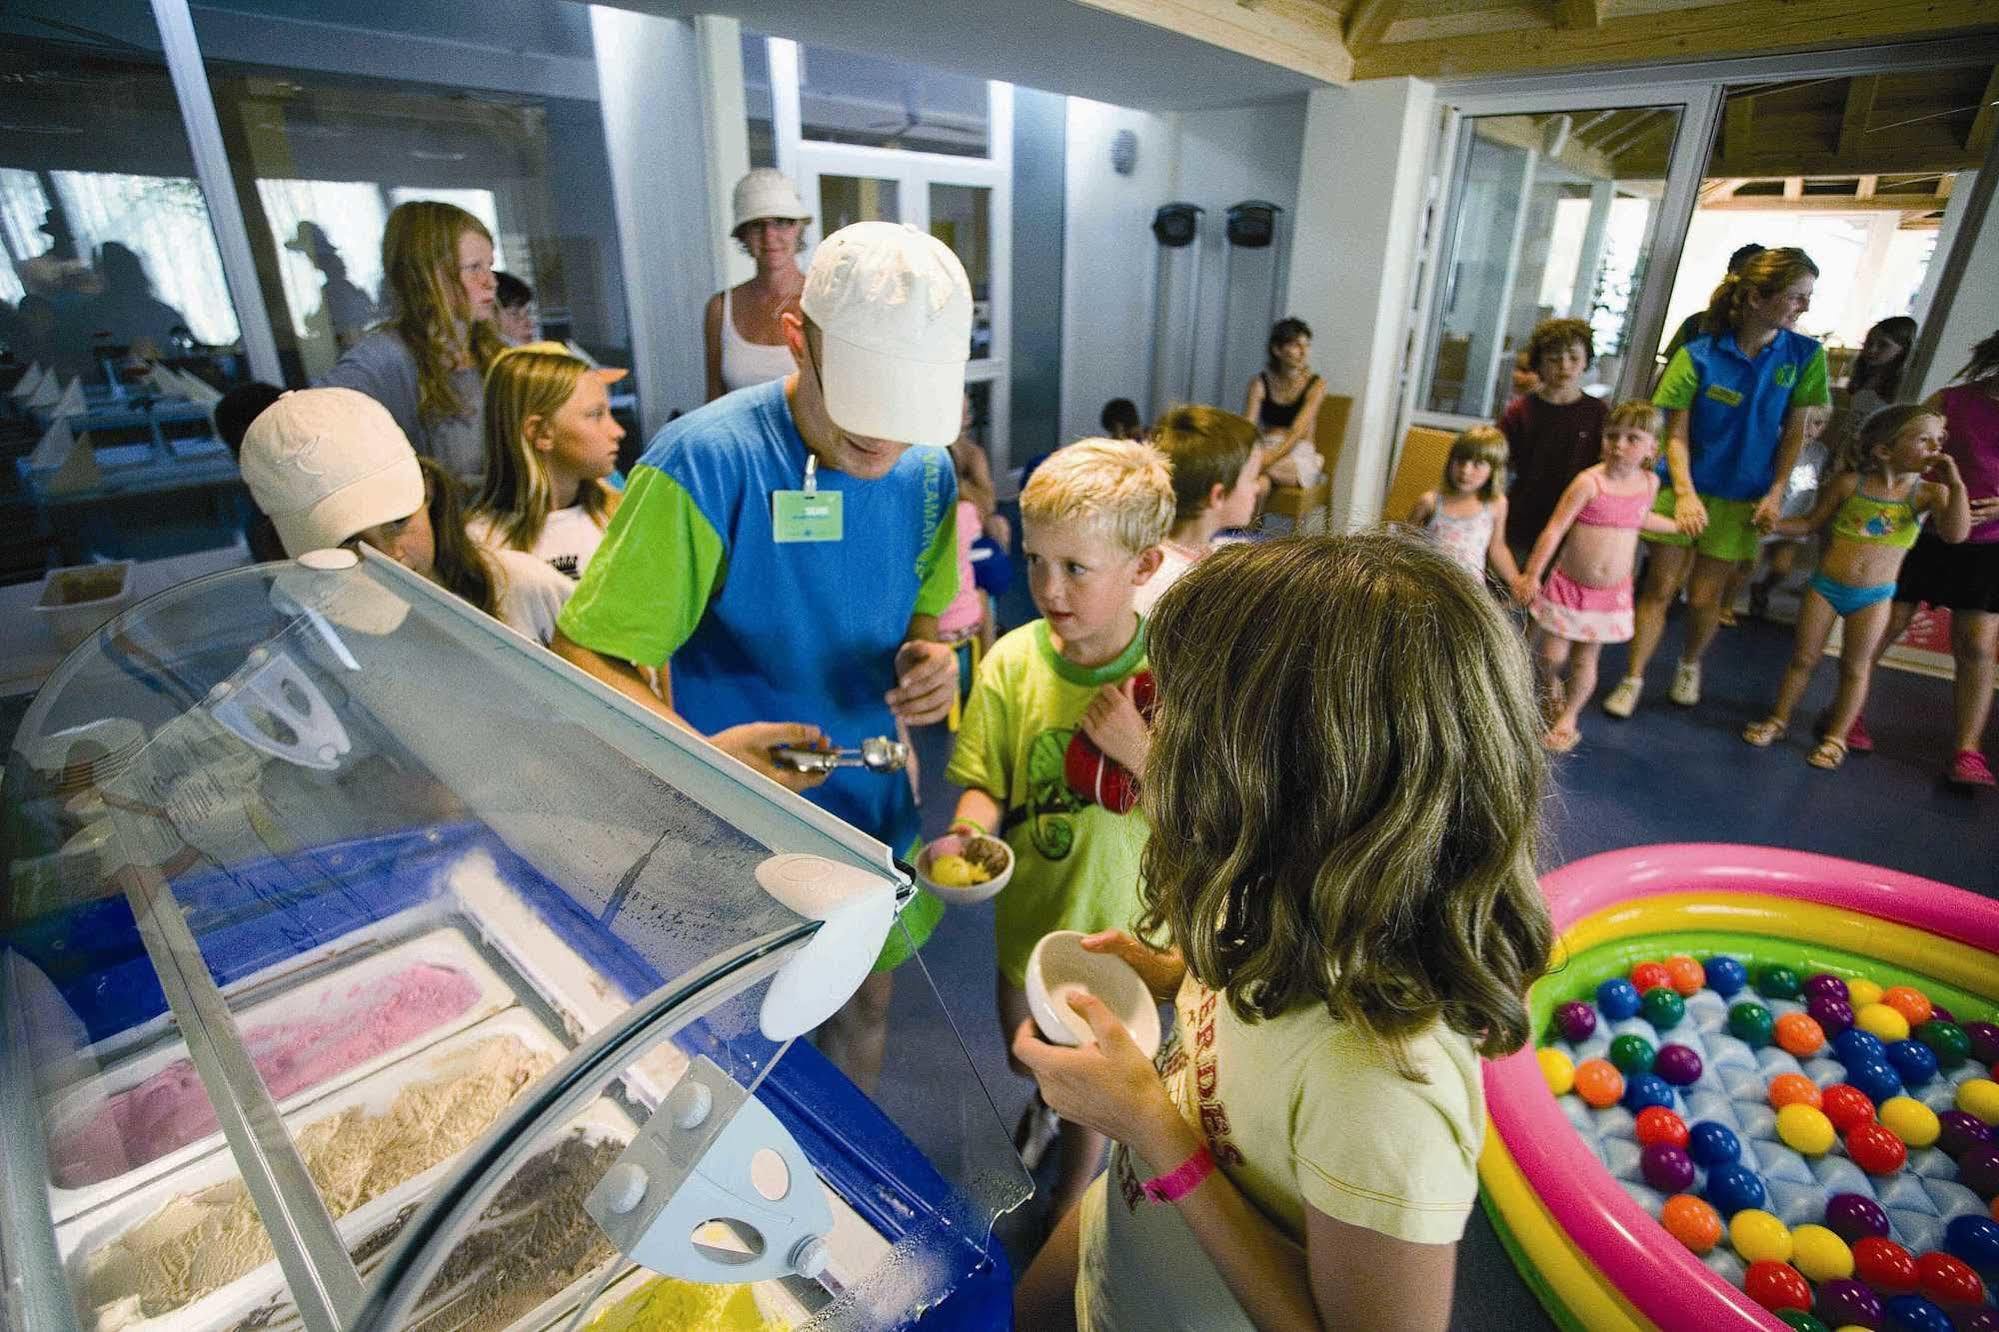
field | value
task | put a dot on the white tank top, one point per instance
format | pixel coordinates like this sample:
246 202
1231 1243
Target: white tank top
745 363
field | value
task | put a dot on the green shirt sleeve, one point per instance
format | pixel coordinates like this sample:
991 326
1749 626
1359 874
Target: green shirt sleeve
648 585
1811 389
1681 382
939 567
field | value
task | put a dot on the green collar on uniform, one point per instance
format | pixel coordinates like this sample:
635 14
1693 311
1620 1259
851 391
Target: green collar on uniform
1109 673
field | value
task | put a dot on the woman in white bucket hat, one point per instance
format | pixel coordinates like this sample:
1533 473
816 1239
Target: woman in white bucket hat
744 341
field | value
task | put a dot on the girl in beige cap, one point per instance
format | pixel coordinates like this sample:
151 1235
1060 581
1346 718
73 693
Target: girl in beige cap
745 342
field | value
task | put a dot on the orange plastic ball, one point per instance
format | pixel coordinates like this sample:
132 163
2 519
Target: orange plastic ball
1910 1002
1599 1083
1691 1221
1687 975
1799 1034
1793 1089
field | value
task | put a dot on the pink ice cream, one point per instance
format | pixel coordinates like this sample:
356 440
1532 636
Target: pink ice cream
342 1025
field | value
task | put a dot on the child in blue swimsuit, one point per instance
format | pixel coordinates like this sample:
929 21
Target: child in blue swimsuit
1874 510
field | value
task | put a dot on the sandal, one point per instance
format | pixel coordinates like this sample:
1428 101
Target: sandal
1829 754
1765 733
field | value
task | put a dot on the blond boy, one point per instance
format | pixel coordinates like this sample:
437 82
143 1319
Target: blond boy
1217 469
1053 732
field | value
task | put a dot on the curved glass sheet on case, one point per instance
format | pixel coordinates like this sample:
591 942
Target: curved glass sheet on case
319 882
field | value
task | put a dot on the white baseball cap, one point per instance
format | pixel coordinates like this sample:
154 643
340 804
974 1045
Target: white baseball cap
767 192
894 312
326 464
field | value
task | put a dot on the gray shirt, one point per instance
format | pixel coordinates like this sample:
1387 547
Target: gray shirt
381 366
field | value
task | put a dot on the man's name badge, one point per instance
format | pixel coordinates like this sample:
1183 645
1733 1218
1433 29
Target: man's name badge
807 515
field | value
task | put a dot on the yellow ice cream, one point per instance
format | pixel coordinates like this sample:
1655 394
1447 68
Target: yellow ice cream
957 872
670 1305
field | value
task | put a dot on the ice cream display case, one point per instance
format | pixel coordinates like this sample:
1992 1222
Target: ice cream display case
365 966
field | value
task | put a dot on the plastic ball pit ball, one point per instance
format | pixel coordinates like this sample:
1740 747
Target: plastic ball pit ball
1576 1022
1712 1144
1947 1042
1861 992
1558 1069
1599 1083
1686 975
1820 1254
1913 1313
1759 1237
1677 1064
1800 1321
1884 1264
1912 1004
1855 1217
1806 1130
1751 1024
1916 1062
1777 981
1824 983
1793 1089
1980 1097
1666 1168
1974 1239
1883 1021
1949 1281
1877 1078
1844 1302
1961 1132
1656 1123
1798 1034
1978 1170
1984 1038
1650 976
1733 1187
1910 1120
1854 1046
1617 999
1981 1320
1832 1013
1692 1222
1777 1286
1663 1007
1632 1054
1726 976
1846 1106
1878 1151
1647 1089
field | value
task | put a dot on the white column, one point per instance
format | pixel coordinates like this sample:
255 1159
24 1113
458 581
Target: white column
725 133
1360 192
1969 313
1602 194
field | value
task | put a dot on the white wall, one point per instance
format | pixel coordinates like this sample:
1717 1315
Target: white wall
1974 307
1366 154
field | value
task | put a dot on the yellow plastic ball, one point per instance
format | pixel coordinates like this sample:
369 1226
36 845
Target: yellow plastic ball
1759 1237
1910 1120
1882 1021
1820 1254
1980 1097
1861 992
1557 1070
1806 1129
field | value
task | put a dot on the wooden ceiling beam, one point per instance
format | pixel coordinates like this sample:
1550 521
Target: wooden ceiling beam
1824 203
1707 32
1988 111
1579 13
1866 187
1367 21
1299 35
1885 160
1853 120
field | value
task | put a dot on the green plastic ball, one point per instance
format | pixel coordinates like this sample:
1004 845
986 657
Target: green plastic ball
1751 1024
1947 1041
1778 982
1632 1054
1663 1007
1801 1321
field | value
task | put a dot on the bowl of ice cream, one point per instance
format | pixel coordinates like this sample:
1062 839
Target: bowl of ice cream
965 868
1060 967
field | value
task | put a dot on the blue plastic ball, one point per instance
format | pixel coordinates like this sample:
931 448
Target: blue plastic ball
1725 975
1975 1239
1733 1187
1916 1062
1647 1089
1617 998
1856 1046
1877 1078
1712 1144
1913 1313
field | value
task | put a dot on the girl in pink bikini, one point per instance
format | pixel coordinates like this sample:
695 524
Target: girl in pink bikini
1586 601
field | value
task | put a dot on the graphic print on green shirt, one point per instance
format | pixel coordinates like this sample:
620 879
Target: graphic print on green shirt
1049 799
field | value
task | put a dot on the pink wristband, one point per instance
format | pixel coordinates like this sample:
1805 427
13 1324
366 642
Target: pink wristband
1183 1179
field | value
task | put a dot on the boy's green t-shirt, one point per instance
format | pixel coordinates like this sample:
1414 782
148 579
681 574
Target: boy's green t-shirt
1075 862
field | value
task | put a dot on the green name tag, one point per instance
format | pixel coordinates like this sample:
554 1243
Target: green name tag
1727 397
806 515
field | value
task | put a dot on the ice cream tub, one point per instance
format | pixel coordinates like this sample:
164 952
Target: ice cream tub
149 1115
186 1251
642 1301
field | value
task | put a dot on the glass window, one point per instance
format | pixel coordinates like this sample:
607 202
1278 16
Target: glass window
757 106
1553 216
960 216
848 98
844 200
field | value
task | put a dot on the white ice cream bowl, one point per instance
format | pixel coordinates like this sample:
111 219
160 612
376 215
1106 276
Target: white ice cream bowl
990 853
1059 966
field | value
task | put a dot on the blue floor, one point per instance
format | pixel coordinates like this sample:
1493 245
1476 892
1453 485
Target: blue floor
1667 775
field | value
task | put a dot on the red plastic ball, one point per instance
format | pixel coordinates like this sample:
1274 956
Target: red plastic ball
1875 1149
1949 1280
1846 1106
1686 974
1658 1124
1650 976
1777 1286
1884 1265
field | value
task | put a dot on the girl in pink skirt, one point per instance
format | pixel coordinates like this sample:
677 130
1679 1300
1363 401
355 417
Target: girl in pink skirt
1586 600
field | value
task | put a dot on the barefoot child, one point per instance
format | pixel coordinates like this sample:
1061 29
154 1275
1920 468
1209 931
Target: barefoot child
1874 514
1586 601
1053 732
1467 514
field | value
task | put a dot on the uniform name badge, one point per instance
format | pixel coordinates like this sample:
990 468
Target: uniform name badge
810 514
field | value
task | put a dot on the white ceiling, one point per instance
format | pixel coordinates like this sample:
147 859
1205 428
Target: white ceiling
1055 45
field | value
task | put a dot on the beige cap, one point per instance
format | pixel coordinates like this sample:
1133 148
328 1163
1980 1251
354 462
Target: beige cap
610 374
767 192
894 311
327 464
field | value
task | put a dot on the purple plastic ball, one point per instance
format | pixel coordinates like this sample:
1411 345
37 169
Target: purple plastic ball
1984 1320
1961 1132
1845 1302
1984 1042
1832 1012
1978 1170
1667 1168
1826 983
1677 1064
1938 1013
1576 1021
1855 1216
